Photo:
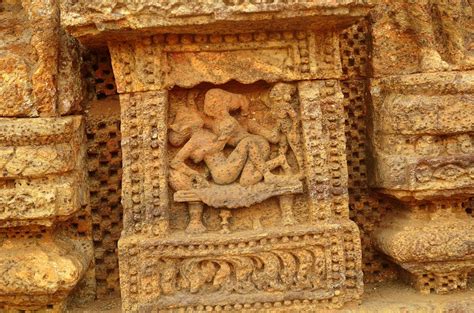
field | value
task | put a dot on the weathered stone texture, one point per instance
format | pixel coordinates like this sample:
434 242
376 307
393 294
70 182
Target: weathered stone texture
42 170
251 155
422 36
421 143
39 64
422 127
82 18
42 161
42 183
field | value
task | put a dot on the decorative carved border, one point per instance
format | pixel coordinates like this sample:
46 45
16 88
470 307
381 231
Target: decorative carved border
322 115
144 144
144 65
145 170
140 260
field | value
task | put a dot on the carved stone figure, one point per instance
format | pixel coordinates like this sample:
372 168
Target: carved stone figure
203 137
242 155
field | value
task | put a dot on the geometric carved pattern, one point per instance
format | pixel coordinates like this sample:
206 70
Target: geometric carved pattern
104 165
103 74
354 47
366 208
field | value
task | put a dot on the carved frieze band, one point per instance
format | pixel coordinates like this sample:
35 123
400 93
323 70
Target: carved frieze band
423 134
163 61
318 264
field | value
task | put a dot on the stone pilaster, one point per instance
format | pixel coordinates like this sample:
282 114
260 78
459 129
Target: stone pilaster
45 243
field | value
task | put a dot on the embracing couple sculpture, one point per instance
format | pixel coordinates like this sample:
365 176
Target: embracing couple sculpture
203 137
236 172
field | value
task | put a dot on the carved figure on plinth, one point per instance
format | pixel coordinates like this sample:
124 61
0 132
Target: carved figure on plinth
236 154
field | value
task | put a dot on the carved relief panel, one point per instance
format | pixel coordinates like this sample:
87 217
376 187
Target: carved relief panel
235 177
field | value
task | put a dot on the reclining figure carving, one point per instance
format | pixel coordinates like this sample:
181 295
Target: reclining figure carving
243 176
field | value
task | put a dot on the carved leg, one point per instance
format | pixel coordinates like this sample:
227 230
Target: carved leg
225 215
256 223
195 225
286 207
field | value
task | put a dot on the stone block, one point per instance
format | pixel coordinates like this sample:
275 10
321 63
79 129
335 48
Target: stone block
81 18
41 270
422 134
42 170
39 63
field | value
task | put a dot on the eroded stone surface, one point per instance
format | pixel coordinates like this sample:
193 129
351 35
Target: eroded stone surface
422 126
39 271
243 128
42 170
35 61
93 21
422 140
422 36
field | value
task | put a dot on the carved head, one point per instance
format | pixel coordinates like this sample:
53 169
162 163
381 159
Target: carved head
219 102
187 120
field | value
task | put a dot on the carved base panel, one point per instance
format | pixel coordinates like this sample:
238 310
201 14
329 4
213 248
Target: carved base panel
254 269
434 248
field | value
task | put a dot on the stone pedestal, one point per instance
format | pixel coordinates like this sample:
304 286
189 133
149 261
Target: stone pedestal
422 149
42 185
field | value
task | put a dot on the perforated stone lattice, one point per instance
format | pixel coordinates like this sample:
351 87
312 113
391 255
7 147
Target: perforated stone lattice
104 165
355 50
469 207
366 209
103 75
105 173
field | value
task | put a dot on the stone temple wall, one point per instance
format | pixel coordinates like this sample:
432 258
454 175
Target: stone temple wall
240 155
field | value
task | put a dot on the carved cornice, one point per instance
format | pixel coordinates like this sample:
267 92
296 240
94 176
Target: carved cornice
96 21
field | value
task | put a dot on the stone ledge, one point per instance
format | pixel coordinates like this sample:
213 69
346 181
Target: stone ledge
42 176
